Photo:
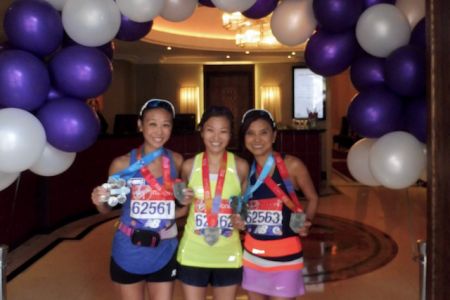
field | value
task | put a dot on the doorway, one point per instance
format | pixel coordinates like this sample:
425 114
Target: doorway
231 86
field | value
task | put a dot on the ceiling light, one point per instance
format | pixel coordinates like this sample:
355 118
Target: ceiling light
169 48
250 33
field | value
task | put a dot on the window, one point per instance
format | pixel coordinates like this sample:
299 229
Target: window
309 92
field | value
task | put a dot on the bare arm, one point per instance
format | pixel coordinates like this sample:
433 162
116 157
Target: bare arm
242 169
186 168
302 180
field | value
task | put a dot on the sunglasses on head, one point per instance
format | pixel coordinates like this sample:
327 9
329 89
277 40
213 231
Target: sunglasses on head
158 103
258 112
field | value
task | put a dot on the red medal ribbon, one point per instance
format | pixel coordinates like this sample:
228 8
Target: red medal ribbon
211 213
291 202
151 180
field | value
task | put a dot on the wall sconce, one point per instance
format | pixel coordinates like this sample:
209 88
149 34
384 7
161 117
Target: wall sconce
189 100
271 101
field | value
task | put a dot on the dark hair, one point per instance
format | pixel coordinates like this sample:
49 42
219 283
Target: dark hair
217 111
256 114
157 103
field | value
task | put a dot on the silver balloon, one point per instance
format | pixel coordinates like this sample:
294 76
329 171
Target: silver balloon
53 161
293 22
414 10
178 10
381 29
6 179
358 162
233 5
57 4
91 23
397 160
22 140
140 10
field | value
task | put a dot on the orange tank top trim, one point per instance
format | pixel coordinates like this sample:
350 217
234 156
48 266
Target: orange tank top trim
273 248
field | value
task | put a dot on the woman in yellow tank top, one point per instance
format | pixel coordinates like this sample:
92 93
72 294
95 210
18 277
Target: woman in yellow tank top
210 251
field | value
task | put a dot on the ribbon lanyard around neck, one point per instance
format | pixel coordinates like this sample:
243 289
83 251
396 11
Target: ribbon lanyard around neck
213 204
292 203
139 163
151 180
260 179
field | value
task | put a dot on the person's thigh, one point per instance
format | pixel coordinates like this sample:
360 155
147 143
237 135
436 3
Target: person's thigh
160 290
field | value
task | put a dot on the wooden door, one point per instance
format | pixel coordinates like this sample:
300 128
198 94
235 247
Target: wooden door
231 86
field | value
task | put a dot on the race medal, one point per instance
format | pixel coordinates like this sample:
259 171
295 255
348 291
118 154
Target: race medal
178 188
297 221
211 235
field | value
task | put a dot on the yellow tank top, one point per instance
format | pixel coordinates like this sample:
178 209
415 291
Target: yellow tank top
227 251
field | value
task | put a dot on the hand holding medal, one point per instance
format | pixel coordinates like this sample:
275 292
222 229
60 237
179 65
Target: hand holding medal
116 191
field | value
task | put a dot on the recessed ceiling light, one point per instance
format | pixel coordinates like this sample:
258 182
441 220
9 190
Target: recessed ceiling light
289 56
227 56
247 52
293 53
169 48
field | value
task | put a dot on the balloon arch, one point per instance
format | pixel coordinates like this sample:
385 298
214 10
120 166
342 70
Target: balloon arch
48 71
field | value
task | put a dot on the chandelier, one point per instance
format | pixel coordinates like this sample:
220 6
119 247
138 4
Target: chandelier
249 32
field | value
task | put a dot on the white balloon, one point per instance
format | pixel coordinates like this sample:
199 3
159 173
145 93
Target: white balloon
381 29
91 23
358 162
57 4
140 10
397 160
414 10
53 161
233 5
178 10
22 140
6 179
293 22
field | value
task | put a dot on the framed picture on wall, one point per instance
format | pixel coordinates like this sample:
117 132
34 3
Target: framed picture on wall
309 93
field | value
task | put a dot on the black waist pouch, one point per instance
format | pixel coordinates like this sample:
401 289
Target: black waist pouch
146 238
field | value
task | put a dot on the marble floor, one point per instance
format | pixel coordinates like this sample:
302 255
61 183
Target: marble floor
371 255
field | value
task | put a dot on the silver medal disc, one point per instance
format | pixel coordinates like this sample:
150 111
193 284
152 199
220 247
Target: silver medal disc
211 235
297 221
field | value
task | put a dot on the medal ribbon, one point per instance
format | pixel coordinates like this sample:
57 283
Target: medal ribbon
213 205
260 179
151 180
292 203
139 163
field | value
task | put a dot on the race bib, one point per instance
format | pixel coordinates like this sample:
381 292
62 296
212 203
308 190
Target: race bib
151 207
224 216
265 217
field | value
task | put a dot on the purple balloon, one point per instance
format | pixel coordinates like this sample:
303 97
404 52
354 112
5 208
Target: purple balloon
328 54
405 71
206 3
367 71
5 46
418 35
375 112
34 25
416 118
337 15
368 3
81 72
54 94
132 31
70 124
107 49
24 80
260 9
